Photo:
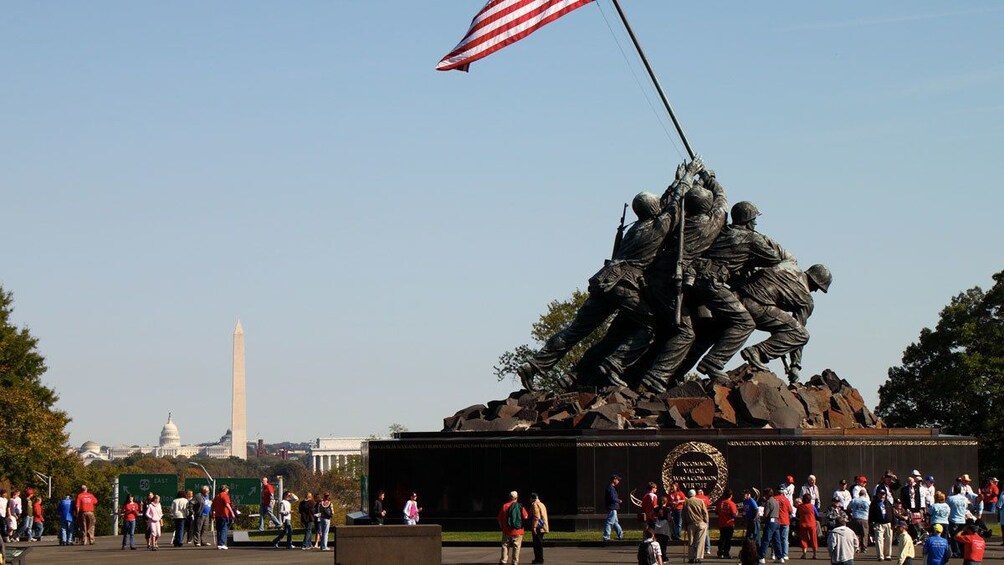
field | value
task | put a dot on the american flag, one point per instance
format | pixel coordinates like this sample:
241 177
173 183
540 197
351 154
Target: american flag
501 23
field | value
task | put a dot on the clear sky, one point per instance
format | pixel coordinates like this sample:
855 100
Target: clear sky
384 231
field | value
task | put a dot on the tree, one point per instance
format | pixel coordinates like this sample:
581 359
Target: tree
558 315
953 376
34 436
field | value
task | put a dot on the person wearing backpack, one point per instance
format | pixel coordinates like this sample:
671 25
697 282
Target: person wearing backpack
511 518
649 552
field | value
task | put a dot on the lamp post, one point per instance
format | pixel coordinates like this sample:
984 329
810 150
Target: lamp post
212 523
48 481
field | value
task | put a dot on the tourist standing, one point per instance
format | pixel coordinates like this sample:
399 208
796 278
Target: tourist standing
695 520
880 518
771 528
37 519
958 504
224 514
412 511
14 510
842 494
936 548
973 545
842 543
510 518
286 517
859 510
24 532
130 510
190 517
649 552
648 504
812 489
939 513
3 514
306 510
265 508
787 489
179 511
805 514
201 504
784 515
663 531
613 504
154 515
676 498
1000 513
65 512
751 515
860 484
142 516
538 526
727 513
86 502
905 543
377 512
326 512
989 493
927 491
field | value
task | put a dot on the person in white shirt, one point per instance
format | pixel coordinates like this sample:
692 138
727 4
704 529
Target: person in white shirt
842 494
860 484
789 492
927 491
285 518
812 489
3 514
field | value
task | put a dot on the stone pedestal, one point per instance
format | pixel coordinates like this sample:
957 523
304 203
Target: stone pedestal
463 478
364 545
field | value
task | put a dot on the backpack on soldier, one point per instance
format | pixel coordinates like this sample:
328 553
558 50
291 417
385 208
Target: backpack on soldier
514 517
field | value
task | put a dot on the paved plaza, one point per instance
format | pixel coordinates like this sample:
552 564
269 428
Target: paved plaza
107 552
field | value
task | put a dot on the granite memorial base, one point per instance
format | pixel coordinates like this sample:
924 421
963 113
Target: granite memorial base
463 478
364 545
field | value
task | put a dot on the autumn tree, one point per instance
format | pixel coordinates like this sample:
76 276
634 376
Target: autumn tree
34 432
559 314
953 376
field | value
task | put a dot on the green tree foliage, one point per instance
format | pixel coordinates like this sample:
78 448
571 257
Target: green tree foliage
559 314
953 376
34 436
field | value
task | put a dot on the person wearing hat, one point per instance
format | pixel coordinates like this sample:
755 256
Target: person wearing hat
905 543
538 526
695 520
511 518
880 517
936 549
842 494
860 484
613 502
973 545
927 490
85 506
842 543
784 518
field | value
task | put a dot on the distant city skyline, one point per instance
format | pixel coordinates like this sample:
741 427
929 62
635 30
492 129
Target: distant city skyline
384 231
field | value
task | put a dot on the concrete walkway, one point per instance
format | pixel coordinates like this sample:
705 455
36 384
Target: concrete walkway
107 551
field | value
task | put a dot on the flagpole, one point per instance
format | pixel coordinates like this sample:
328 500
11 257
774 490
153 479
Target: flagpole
655 80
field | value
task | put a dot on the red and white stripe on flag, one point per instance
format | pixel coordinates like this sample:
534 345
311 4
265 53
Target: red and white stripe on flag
501 23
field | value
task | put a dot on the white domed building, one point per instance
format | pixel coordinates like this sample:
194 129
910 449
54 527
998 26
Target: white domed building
169 446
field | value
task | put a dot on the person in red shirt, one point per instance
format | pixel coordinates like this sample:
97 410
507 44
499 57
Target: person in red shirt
265 509
784 520
989 493
130 510
512 532
727 512
224 514
973 545
38 521
85 509
806 516
676 500
649 503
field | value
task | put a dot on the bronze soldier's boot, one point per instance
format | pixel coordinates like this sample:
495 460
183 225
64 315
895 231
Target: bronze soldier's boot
526 371
752 356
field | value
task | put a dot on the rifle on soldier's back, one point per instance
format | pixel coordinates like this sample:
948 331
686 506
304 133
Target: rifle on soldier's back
619 238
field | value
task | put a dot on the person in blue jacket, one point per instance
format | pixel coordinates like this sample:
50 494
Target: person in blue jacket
65 511
936 548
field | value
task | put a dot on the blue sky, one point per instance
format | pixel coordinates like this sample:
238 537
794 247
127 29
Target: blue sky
384 231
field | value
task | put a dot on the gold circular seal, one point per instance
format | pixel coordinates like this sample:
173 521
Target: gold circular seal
696 465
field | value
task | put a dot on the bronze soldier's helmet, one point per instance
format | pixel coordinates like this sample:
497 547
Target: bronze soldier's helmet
743 212
699 201
646 205
820 275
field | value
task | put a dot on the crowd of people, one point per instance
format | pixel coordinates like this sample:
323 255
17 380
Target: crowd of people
198 518
853 518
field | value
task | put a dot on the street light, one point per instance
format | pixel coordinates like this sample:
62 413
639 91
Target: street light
48 481
212 525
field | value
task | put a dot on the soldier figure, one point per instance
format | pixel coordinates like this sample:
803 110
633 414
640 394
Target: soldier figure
706 209
616 287
779 302
736 253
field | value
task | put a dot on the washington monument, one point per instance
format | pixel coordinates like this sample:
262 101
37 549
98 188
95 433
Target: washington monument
239 420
